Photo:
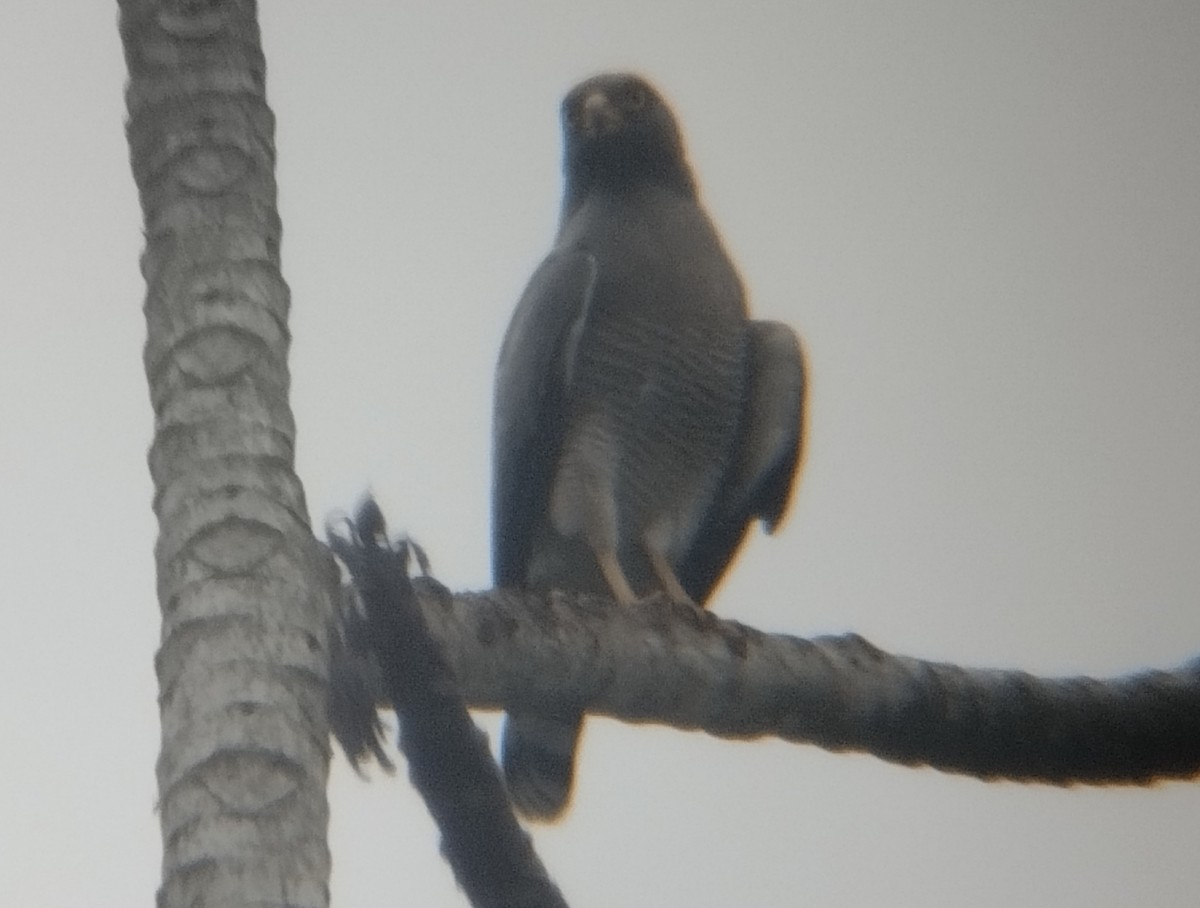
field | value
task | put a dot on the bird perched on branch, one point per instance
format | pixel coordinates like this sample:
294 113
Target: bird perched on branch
642 421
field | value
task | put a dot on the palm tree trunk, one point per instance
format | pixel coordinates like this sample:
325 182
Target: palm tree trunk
242 665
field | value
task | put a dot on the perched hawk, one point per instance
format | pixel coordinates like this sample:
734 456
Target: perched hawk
642 422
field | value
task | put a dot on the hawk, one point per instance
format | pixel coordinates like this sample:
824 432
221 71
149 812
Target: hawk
642 422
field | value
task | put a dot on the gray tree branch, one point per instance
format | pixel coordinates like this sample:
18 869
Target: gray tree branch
671 664
449 763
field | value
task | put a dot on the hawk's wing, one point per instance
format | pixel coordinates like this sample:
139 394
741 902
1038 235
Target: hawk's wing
533 376
769 452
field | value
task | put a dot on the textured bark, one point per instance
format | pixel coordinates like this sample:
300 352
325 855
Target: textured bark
242 665
675 665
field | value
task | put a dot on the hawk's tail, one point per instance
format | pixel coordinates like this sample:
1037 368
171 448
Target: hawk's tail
537 755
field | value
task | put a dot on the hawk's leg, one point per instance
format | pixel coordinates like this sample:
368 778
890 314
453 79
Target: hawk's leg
666 576
610 567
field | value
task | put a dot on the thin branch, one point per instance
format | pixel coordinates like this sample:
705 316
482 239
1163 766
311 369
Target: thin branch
449 762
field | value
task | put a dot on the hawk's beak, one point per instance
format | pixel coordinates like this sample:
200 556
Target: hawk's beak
598 116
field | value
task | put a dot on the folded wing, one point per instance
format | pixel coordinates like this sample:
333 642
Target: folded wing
770 450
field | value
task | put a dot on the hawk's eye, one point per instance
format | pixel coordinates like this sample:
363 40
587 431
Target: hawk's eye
635 97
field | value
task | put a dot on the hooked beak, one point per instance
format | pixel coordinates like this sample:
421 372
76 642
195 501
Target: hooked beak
598 116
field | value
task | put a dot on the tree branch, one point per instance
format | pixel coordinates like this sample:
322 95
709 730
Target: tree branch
449 763
672 664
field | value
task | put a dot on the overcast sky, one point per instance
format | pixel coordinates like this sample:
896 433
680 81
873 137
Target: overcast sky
984 219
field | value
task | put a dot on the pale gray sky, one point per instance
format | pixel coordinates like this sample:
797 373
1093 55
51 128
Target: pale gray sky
983 218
